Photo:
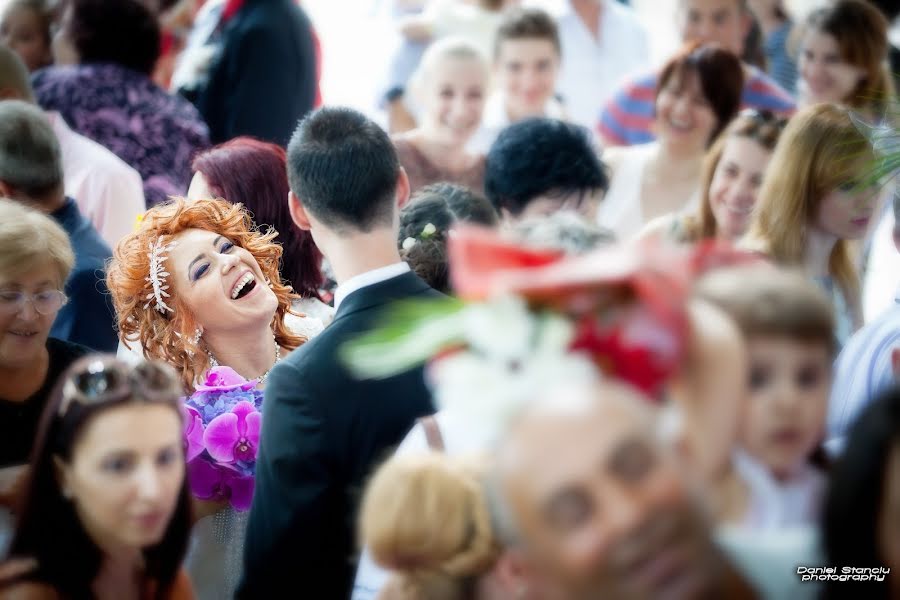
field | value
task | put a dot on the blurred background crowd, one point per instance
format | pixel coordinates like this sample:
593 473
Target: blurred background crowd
449 299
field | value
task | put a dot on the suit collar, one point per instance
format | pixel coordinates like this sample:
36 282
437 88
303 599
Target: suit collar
378 294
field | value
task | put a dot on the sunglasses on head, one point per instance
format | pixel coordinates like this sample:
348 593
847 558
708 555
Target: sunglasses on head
105 379
764 117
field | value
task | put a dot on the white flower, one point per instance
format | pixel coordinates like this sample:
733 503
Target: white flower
408 243
501 329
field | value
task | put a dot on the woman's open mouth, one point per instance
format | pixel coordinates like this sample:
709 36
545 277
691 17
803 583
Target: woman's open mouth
244 286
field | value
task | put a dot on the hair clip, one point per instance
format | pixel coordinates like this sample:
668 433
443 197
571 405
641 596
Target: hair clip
157 276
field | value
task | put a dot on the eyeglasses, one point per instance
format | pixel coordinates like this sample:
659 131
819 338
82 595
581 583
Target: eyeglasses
101 379
45 303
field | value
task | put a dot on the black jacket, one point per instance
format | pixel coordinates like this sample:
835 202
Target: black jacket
323 433
264 79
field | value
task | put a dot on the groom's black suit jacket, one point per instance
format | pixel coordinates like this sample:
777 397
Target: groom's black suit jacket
323 432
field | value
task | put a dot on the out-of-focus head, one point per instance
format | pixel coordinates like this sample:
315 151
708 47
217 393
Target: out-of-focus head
124 32
30 157
450 84
35 260
821 182
733 172
724 22
566 231
526 61
253 173
709 392
425 519
593 505
788 324
427 222
15 82
218 273
843 49
539 166
25 29
344 174
862 506
107 475
697 95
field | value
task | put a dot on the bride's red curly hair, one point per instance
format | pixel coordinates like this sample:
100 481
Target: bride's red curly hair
169 337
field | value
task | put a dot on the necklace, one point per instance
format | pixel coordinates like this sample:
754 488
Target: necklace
213 363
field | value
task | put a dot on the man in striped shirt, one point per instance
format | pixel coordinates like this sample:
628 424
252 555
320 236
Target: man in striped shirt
628 117
868 364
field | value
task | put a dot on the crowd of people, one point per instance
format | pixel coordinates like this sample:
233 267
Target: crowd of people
552 322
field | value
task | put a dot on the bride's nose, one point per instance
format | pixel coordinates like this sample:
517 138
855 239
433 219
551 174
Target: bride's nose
228 262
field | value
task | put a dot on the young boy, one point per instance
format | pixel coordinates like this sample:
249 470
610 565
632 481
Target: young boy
789 330
526 67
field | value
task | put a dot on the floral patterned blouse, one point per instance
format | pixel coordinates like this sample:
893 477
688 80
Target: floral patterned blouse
155 132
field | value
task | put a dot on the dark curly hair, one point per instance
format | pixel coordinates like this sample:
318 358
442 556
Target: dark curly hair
539 157
124 32
441 205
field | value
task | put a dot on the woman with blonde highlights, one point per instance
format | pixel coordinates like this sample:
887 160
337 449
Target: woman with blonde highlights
215 246
816 202
425 518
733 171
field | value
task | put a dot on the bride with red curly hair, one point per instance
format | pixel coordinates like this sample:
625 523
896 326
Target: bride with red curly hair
198 286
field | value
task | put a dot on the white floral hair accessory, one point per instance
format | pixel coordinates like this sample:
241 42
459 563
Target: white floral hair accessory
157 277
428 231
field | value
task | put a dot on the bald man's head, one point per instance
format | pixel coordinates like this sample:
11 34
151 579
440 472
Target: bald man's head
589 498
15 83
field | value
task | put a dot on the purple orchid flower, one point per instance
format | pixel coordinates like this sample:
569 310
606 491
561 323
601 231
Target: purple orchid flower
234 436
193 434
217 482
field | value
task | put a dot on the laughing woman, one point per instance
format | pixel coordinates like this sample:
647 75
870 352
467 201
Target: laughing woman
206 294
450 86
699 92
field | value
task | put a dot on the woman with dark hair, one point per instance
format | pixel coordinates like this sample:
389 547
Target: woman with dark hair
699 92
862 506
106 509
253 173
426 223
105 53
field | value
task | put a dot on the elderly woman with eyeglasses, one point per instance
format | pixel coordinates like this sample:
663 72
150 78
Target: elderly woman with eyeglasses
35 260
106 510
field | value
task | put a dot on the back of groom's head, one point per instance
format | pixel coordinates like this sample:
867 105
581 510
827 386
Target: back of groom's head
343 168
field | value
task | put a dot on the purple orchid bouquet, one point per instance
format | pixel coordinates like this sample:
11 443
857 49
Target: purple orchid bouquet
221 433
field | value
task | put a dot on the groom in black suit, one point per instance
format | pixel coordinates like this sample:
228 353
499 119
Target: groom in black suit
323 430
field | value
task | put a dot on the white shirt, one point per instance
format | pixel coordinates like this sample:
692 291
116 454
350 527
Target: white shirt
593 68
109 193
366 279
883 270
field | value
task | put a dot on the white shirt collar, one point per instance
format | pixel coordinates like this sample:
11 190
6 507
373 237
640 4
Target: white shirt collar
366 279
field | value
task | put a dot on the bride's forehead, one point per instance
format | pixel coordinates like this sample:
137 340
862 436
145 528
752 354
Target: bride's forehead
194 238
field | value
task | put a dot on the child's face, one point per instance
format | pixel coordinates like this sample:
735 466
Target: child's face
526 71
21 31
788 399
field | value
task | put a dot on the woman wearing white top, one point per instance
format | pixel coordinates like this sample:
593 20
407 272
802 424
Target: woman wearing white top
699 92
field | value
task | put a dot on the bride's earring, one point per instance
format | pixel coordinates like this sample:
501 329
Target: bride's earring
198 333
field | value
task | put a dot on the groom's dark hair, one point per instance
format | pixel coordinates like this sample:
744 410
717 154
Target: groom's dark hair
343 168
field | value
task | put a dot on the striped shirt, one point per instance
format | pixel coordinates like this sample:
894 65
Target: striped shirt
781 66
628 117
863 370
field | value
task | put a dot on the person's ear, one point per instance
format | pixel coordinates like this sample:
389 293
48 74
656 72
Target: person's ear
298 212
403 191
